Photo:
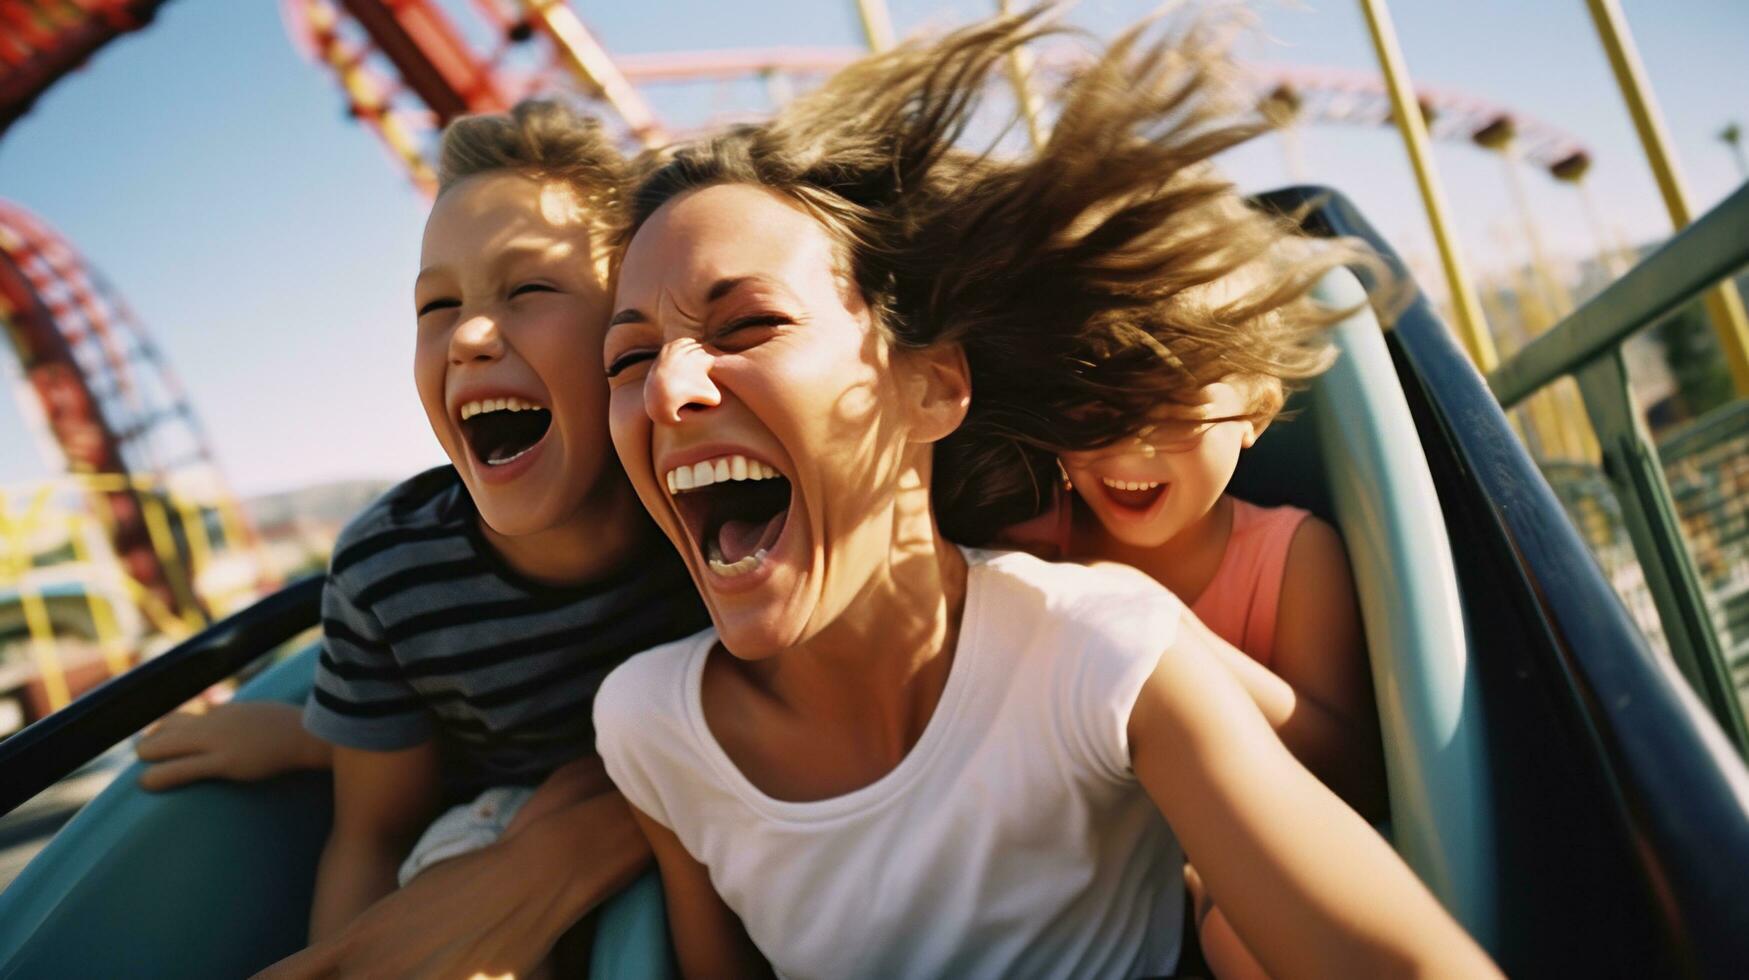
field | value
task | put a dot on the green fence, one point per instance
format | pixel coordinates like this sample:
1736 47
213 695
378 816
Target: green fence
1656 512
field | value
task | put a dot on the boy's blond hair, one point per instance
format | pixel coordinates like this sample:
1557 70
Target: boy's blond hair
547 140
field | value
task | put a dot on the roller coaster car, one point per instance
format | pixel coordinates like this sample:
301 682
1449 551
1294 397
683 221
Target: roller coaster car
1551 780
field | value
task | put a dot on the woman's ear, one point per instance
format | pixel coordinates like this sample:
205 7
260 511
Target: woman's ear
939 390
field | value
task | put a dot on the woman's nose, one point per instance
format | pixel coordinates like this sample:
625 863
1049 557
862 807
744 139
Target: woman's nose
476 339
679 381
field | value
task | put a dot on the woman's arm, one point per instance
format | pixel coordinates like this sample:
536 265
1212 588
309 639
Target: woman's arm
708 937
1311 889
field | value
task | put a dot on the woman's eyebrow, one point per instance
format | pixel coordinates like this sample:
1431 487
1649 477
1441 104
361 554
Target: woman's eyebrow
628 316
728 284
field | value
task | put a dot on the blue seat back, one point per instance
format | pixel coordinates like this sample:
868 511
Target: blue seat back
1356 459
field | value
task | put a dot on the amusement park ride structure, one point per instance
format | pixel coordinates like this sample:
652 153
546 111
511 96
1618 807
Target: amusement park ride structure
1544 722
132 442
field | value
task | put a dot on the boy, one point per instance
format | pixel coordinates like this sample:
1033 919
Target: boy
471 612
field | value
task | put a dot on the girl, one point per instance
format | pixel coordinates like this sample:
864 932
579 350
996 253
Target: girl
893 756
1273 582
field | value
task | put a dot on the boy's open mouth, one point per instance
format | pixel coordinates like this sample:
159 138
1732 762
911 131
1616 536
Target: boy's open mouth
499 430
1138 495
733 507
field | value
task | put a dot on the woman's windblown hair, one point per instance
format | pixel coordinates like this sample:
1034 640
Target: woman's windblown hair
1091 281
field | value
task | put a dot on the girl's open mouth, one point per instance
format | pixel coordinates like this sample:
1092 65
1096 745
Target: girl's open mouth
1132 495
734 509
500 430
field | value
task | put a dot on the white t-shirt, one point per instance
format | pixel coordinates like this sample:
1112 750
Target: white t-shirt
1012 841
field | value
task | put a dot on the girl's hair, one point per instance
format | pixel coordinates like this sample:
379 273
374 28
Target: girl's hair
1090 281
548 140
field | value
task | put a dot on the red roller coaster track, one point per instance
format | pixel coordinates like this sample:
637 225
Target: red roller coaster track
41 40
106 395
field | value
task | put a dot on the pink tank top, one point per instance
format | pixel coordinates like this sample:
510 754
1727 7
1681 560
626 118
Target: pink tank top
1241 600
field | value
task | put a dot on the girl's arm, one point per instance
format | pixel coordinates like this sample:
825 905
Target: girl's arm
709 939
1310 888
1317 736
1320 651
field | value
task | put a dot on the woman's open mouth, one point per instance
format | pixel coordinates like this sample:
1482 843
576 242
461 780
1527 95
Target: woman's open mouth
1133 495
734 508
501 430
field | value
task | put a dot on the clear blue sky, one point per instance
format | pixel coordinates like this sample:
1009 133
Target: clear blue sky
269 244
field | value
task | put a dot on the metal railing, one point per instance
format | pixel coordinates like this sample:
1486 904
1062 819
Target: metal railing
52 748
1588 346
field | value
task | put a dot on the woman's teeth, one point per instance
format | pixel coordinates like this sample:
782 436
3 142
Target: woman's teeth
495 461
1128 484
714 557
719 470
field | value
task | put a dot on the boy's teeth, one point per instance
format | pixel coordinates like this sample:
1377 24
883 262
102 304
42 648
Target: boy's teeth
481 406
1128 484
722 469
714 557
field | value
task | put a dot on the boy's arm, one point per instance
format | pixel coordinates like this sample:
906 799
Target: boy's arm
382 802
495 911
1311 889
709 939
242 740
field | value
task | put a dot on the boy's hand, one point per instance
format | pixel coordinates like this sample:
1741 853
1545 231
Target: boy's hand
242 740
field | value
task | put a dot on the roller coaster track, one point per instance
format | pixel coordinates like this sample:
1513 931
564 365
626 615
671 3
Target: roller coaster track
42 40
105 395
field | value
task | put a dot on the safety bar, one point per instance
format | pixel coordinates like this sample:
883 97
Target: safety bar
52 748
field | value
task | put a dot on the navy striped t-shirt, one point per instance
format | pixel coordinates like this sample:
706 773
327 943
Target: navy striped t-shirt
428 634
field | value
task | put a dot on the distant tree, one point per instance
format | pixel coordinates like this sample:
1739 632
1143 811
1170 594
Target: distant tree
1696 362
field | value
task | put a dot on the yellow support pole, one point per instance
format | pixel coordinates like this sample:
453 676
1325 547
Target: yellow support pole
200 544
1724 304
877 24
164 543
1472 328
109 639
36 612
1020 76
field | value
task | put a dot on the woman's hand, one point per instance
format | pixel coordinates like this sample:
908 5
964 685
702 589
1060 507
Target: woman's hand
242 740
1308 887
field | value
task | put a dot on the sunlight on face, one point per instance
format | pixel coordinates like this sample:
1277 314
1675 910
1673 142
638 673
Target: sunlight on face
510 308
760 413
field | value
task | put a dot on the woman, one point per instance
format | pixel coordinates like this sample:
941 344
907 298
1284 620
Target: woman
893 756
